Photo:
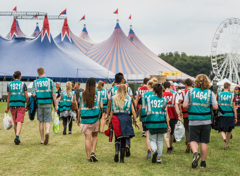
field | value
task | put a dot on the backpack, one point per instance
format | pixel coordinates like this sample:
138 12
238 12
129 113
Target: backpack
217 118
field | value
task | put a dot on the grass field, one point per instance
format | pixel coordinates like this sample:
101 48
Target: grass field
65 155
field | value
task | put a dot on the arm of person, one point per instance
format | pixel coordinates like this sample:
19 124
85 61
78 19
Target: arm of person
101 104
134 116
8 100
214 102
168 125
235 112
109 106
185 105
27 100
177 107
34 89
140 110
55 101
75 100
79 116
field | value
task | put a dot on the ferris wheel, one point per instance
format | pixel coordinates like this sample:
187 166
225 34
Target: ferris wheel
225 54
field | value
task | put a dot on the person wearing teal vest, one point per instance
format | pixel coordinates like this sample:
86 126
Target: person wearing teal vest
143 114
157 121
66 114
122 107
89 115
45 91
226 102
198 101
104 95
17 96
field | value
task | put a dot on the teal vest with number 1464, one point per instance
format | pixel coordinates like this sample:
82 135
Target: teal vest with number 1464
199 104
17 97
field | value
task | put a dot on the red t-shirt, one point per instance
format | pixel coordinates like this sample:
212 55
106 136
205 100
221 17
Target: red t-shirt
141 90
184 112
172 114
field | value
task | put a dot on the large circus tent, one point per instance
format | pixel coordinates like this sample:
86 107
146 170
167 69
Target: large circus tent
70 56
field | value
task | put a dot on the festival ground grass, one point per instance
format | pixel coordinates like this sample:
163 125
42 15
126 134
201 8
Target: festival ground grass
65 155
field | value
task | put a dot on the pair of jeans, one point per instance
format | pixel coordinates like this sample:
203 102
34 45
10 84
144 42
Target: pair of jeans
156 142
65 123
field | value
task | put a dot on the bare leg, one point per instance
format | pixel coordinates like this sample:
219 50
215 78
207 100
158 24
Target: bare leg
223 134
88 145
204 151
103 121
147 140
19 127
15 128
166 140
194 147
41 130
47 127
171 140
94 141
228 138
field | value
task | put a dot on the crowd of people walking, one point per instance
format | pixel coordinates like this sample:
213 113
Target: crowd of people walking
157 105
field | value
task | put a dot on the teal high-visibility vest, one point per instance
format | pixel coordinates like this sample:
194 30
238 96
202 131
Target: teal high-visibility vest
127 106
17 97
144 97
65 101
43 90
114 90
104 97
156 113
172 91
89 116
199 104
225 101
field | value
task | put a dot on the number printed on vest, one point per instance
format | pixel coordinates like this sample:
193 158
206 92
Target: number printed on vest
15 86
42 83
226 97
200 95
157 103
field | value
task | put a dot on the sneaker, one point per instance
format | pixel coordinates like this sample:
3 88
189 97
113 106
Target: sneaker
89 160
154 157
42 142
128 152
148 154
196 157
69 132
143 134
159 161
46 139
17 141
94 157
168 151
171 148
64 133
188 148
203 164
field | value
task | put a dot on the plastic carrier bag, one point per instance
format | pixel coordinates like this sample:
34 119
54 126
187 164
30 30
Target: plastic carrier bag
56 124
7 121
179 131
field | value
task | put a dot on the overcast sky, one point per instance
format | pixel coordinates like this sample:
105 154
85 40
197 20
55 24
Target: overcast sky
162 25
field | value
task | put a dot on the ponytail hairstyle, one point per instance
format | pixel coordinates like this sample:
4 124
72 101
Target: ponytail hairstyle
121 95
68 87
89 93
152 82
158 89
100 85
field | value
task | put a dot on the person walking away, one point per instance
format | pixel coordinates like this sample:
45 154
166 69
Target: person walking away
140 91
89 113
198 101
143 114
73 85
173 111
45 91
226 102
157 121
122 107
184 114
103 91
66 114
17 96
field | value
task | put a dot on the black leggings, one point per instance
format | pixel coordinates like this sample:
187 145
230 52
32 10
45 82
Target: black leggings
65 123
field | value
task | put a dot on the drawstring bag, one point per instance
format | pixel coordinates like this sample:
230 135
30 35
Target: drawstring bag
7 121
56 124
179 131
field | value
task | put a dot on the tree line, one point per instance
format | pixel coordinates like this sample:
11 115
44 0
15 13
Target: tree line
191 65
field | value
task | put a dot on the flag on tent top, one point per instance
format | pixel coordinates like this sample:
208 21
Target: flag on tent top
116 12
63 12
36 16
83 18
15 9
130 17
